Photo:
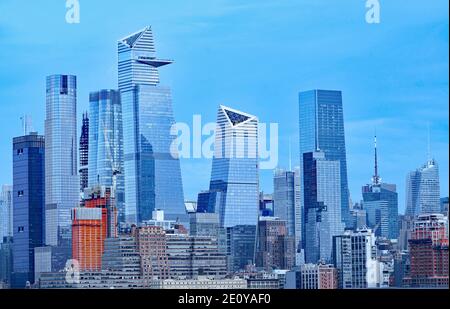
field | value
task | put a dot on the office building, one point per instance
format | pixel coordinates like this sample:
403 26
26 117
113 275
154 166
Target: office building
322 128
152 246
106 145
241 247
234 185
6 212
322 199
381 205
29 204
285 187
6 261
423 190
275 247
193 256
84 152
61 173
151 167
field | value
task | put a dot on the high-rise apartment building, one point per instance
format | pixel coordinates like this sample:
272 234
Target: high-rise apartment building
322 128
91 225
428 248
29 203
84 152
62 185
106 145
322 205
355 257
423 190
151 167
241 247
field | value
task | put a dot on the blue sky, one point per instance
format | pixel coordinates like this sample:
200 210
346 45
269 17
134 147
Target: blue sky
254 56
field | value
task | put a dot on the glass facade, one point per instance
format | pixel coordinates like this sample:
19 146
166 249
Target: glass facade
322 200
28 221
321 125
234 185
61 178
241 246
423 190
151 168
381 206
6 212
106 145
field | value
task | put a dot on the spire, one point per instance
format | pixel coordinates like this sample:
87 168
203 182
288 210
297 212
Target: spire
428 144
376 178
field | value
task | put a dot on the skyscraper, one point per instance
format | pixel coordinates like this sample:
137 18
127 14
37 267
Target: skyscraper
84 152
285 197
106 145
6 212
235 170
322 128
151 168
423 190
381 205
28 188
62 185
322 200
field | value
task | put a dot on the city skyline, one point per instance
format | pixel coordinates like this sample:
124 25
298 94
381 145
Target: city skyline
360 123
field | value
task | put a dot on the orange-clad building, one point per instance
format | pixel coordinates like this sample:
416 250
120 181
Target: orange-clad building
91 225
87 238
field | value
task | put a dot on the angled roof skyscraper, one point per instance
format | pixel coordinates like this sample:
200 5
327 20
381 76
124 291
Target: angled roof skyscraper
152 172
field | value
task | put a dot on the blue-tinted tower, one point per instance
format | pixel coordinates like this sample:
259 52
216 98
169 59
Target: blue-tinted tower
321 126
151 168
29 203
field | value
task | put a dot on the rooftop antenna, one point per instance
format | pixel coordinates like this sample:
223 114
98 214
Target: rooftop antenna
428 143
26 124
376 178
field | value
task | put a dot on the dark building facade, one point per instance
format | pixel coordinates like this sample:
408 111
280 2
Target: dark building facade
84 150
28 203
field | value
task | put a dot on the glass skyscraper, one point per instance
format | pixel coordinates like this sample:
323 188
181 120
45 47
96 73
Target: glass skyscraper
321 126
322 200
381 205
234 185
106 145
423 190
6 212
28 188
285 200
151 168
62 184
